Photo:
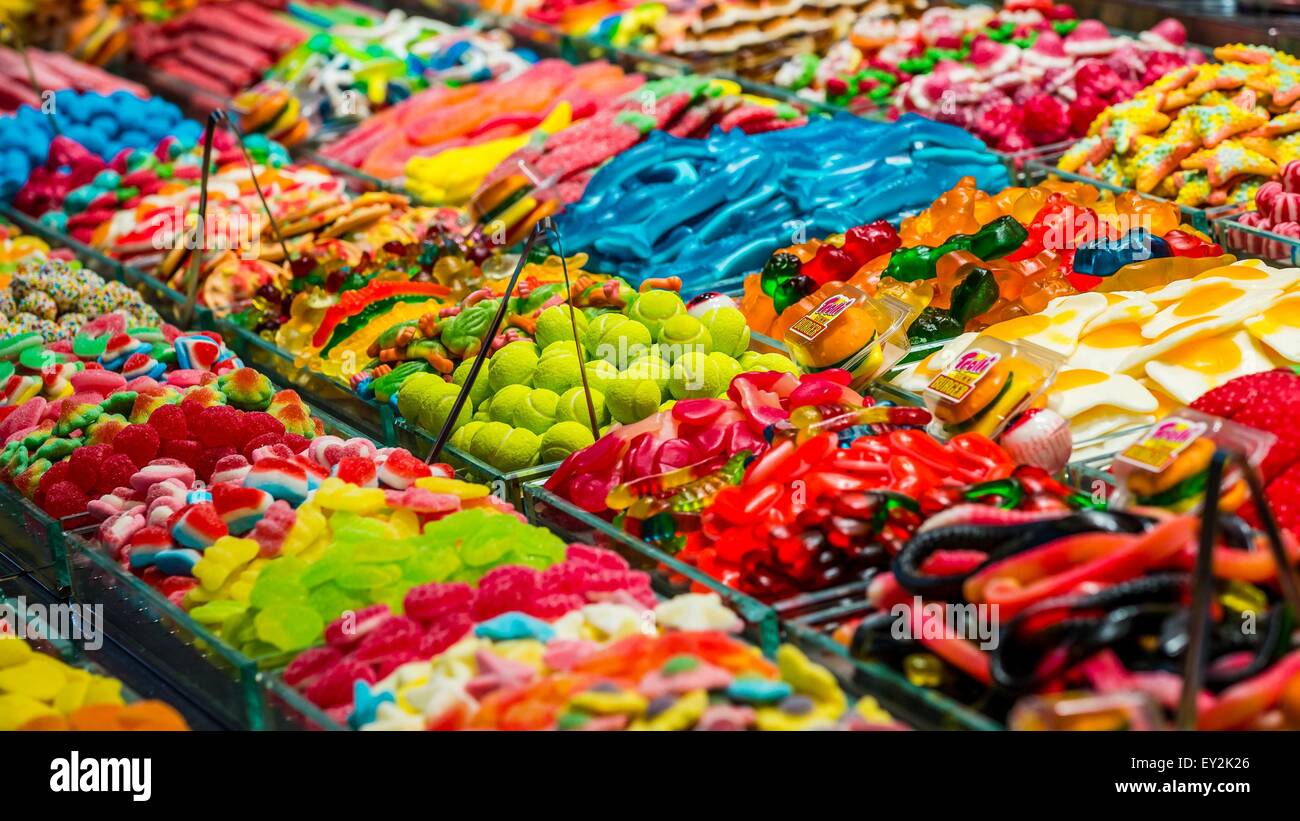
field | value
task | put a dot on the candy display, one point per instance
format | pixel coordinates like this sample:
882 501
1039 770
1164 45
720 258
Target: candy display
122 121
746 195
1132 356
40 691
757 408
1205 135
972 259
352 70
595 670
647 356
1030 74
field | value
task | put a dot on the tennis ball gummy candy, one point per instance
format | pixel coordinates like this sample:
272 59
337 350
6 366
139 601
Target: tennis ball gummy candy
631 400
506 402
464 435
537 411
728 330
727 368
554 325
564 438
558 370
599 374
683 334
513 365
653 308
505 448
572 407
481 390
652 368
616 339
695 376
427 399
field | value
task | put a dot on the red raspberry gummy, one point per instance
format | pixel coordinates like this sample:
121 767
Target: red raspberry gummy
309 664
209 458
65 499
84 465
184 450
115 472
258 423
219 426
140 442
334 687
503 589
170 422
350 628
444 633
429 602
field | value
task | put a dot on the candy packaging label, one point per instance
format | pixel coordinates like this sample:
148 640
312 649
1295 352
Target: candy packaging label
1160 446
959 380
819 319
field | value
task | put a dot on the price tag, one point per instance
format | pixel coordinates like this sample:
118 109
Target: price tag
813 323
962 376
1160 446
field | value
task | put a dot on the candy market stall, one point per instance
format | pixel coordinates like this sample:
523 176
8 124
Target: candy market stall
456 385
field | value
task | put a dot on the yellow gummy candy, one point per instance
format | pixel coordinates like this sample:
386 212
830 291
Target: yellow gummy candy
104 691
336 494
525 651
40 677
405 523
74 691
17 710
224 557
810 679
455 487
13 651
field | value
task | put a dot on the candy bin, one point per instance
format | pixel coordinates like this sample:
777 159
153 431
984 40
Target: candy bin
49 683
200 467
1133 357
852 332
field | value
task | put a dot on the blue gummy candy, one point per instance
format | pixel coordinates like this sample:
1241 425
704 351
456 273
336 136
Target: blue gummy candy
1103 257
755 690
514 625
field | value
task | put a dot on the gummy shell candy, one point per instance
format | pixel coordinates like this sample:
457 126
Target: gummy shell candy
289 626
218 612
280 581
431 565
56 449
90 347
330 601
246 389
39 359
119 403
38 437
367 576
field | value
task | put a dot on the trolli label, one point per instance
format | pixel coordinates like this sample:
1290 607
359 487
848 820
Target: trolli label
1160 446
816 321
963 375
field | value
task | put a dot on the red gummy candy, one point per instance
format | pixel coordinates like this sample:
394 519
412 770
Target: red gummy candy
115 472
355 470
140 442
396 635
58 472
443 633
334 687
183 450
219 426
309 664
429 602
259 423
65 499
84 465
350 628
209 458
170 422
555 605
296 442
503 589
261 440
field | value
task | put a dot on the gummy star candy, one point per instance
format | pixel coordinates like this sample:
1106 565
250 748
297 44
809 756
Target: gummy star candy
1228 161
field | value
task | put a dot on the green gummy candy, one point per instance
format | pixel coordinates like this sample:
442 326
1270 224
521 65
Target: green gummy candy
349 528
330 601
367 576
332 562
120 402
289 626
378 551
218 612
280 582
431 566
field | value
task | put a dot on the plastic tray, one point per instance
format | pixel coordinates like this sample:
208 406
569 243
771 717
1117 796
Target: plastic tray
33 542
